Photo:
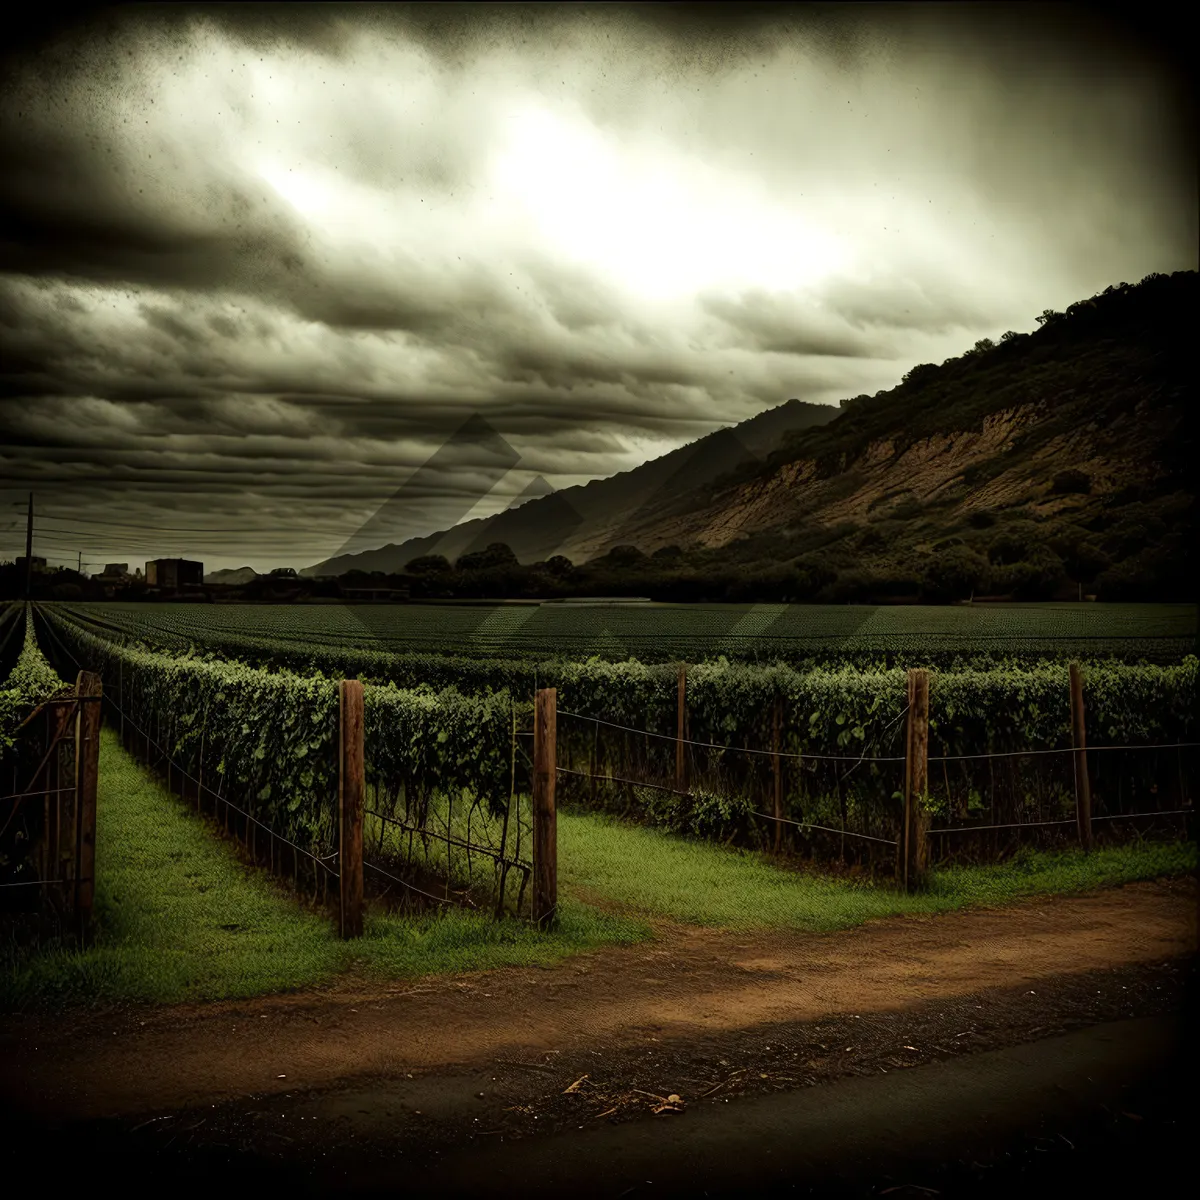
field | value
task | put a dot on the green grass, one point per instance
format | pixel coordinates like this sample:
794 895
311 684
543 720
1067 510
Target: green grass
646 871
180 919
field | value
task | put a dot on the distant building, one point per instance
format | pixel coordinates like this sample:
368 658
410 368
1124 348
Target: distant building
38 564
115 575
174 573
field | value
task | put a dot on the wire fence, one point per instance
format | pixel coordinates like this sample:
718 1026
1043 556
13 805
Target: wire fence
472 853
223 806
625 769
729 792
45 830
416 840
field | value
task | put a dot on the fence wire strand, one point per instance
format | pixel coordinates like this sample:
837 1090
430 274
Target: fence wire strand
670 737
825 828
405 884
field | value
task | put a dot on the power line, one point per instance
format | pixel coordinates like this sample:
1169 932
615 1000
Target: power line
137 539
243 529
145 528
61 545
300 546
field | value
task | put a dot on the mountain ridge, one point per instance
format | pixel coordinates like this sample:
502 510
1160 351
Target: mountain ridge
566 520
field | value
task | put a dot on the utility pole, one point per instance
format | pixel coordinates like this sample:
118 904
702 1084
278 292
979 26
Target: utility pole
29 547
79 566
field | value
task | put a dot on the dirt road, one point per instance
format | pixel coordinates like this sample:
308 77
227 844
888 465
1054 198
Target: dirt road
687 985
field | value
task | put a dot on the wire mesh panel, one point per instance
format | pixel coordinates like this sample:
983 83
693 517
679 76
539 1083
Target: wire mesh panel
448 816
39 820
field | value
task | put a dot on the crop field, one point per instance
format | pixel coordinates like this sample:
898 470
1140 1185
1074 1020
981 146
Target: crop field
446 726
323 635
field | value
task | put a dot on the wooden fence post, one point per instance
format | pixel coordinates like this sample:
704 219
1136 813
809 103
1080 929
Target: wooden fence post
545 831
47 856
680 730
351 736
87 764
1083 787
778 772
62 806
914 842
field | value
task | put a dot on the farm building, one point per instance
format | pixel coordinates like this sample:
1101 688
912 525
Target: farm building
174 573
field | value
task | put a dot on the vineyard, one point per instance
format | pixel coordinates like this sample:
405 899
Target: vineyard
260 750
496 645
243 713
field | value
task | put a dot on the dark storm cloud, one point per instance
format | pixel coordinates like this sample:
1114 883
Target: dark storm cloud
779 324
270 257
930 306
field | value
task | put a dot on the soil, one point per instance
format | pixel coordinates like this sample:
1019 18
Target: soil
356 1077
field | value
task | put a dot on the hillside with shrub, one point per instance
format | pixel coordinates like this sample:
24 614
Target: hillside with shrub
1050 464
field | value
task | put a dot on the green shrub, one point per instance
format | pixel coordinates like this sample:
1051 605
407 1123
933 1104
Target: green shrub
954 574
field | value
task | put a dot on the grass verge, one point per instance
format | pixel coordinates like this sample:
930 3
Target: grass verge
646 871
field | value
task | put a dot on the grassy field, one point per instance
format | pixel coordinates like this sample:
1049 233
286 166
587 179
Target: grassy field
179 918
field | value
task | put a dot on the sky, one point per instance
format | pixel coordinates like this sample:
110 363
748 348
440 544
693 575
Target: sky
259 263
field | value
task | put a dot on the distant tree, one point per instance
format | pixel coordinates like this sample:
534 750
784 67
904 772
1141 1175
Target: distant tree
809 576
428 564
921 373
1082 559
983 346
1009 336
625 556
500 554
1048 317
559 564
982 518
667 552
496 555
953 574
1014 543
1037 578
